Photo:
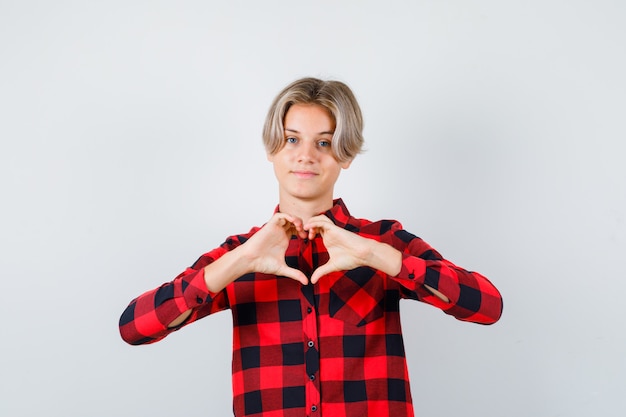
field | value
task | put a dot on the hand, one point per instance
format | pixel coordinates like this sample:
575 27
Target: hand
346 250
266 248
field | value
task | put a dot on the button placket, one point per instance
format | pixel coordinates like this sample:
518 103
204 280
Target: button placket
309 331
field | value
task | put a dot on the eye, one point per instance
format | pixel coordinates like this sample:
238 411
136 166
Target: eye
291 139
323 144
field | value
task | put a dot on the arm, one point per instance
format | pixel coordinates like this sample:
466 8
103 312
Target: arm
471 296
198 291
158 312
420 270
388 259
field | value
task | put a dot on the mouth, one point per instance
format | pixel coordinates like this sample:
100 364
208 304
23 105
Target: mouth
304 174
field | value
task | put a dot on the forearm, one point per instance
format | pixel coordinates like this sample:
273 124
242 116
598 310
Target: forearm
149 317
226 269
218 274
382 257
388 259
156 313
470 295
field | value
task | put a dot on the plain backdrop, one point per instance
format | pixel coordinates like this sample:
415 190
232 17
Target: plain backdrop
130 145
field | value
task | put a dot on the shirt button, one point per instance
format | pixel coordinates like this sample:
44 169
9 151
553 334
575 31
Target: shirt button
309 310
312 377
310 344
314 408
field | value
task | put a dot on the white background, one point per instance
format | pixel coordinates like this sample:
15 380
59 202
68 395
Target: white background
131 145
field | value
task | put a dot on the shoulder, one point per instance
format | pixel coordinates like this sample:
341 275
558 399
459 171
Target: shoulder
378 227
393 233
230 243
233 241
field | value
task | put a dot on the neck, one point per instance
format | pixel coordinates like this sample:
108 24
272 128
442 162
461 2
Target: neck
304 209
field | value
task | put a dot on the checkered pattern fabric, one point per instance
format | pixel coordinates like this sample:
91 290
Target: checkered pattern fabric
334 348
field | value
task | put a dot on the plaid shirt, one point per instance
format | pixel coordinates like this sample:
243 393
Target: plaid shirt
334 348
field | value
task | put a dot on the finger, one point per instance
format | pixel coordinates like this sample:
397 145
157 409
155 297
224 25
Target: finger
317 225
312 232
299 229
318 221
294 274
320 217
281 221
315 228
325 269
294 223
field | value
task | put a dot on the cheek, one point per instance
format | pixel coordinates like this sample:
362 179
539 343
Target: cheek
280 162
333 171
282 156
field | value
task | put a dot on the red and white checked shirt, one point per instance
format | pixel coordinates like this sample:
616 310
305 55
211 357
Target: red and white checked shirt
334 348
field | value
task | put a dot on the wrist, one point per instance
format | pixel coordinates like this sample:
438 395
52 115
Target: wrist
227 268
243 260
385 258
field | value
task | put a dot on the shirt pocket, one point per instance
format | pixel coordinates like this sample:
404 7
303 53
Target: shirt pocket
358 296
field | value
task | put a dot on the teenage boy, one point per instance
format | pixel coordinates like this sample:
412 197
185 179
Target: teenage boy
314 293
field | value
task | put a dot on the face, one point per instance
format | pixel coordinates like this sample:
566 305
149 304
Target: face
305 166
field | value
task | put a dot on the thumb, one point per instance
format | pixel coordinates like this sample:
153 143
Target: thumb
325 269
294 274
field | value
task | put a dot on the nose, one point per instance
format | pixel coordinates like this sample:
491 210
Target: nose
306 151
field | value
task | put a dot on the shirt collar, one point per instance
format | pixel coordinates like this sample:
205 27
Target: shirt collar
339 213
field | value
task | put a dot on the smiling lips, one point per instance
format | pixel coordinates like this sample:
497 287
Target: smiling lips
304 174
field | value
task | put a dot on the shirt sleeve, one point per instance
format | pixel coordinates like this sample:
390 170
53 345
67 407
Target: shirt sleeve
146 318
472 297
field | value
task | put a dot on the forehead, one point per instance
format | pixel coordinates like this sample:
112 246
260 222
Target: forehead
310 117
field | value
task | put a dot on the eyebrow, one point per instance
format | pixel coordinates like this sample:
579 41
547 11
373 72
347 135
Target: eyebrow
329 132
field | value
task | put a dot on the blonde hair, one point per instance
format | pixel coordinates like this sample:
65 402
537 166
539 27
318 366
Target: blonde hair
336 97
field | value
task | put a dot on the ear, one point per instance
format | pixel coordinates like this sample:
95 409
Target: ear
270 157
346 164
